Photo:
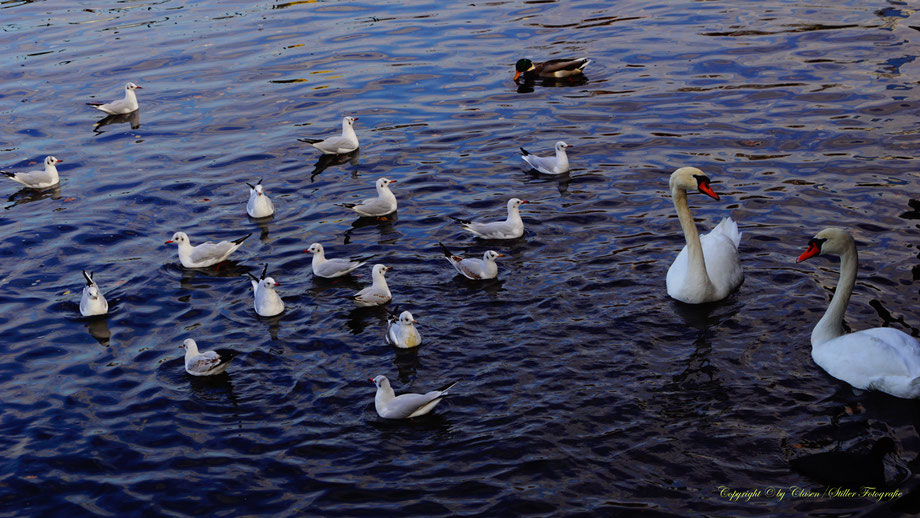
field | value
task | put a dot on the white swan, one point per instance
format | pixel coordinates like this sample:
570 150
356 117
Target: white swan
707 269
880 358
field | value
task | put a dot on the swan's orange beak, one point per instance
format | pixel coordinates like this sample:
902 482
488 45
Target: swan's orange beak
813 250
517 74
707 190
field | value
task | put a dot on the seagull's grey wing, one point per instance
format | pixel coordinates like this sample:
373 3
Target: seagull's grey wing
407 405
542 164
391 336
493 229
470 268
119 106
332 144
334 267
203 362
33 177
210 251
374 207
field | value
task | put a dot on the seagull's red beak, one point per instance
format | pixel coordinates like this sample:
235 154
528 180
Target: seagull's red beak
813 250
170 241
370 379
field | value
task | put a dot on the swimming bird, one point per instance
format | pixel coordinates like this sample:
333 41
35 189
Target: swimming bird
205 254
848 468
331 268
881 358
207 363
511 228
472 268
344 143
383 204
92 302
377 293
259 204
126 105
391 406
38 179
266 300
707 269
552 69
401 331
549 165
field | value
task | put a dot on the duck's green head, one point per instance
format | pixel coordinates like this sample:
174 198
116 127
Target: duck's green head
523 65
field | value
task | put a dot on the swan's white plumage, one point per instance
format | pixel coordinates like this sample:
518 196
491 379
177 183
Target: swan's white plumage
723 265
881 358
719 272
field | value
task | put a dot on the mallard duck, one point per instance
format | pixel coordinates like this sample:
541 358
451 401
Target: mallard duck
552 69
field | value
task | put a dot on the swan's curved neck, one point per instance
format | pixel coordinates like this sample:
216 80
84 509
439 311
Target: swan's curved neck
696 267
831 324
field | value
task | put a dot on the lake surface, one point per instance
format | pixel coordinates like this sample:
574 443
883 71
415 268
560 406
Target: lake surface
584 389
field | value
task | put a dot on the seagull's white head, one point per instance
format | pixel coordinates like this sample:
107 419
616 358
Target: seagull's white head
268 283
92 292
383 182
189 345
561 145
380 269
132 86
514 203
350 121
50 161
406 318
492 255
315 248
381 381
179 238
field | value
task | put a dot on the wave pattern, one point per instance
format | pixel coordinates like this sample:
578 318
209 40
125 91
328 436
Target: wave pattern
583 389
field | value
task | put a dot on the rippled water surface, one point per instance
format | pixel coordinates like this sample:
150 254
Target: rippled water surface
583 388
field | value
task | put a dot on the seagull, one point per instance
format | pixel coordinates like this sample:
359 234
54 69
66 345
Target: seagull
331 268
126 105
259 206
377 293
511 228
205 254
383 204
38 179
475 269
552 69
345 143
266 301
92 302
207 363
549 165
401 332
391 406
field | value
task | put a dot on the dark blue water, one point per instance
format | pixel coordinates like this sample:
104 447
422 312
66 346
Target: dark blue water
584 389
